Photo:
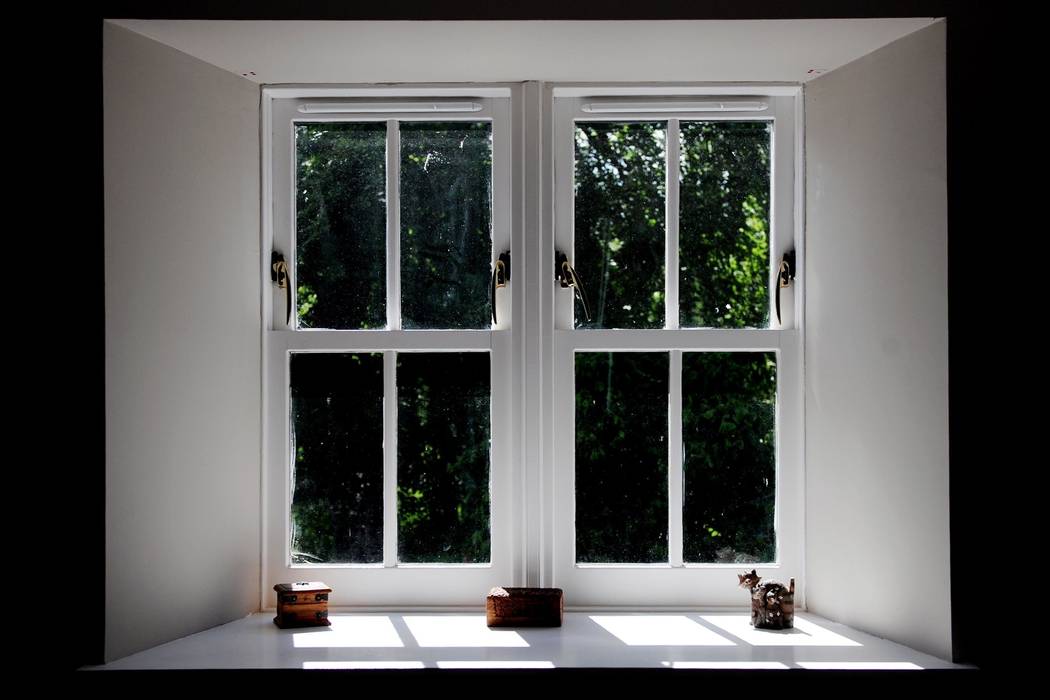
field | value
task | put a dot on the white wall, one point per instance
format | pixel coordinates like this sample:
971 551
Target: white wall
877 344
509 51
182 343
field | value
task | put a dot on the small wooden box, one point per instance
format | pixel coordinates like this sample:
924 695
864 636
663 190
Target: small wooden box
525 607
302 604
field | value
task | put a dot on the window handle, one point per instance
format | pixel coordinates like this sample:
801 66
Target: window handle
279 276
500 277
567 277
785 274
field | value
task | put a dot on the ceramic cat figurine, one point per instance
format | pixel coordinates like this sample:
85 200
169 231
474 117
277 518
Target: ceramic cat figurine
772 603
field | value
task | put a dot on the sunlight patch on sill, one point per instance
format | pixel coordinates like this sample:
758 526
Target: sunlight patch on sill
860 665
361 665
744 665
659 630
804 634
460 631
350 631
495 664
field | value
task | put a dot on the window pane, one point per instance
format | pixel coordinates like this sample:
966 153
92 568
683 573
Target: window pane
724 225
337 471
619 230
340 238
446 239
443 457
728 436
621 457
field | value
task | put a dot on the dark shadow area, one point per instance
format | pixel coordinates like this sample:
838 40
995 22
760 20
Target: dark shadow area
593 680
540 9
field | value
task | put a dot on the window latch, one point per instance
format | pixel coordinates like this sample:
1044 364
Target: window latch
785 274
279 276
567 277
500 277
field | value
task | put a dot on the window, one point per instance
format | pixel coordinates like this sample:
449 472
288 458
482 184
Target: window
678 456
387 410
630 450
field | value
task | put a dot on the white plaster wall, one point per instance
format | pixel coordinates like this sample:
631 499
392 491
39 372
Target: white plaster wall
877 344
508 51
181 168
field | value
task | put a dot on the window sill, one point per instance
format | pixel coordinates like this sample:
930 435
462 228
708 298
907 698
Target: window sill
587 640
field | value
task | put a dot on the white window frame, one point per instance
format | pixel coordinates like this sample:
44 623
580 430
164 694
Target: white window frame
390 584
676 584
531 349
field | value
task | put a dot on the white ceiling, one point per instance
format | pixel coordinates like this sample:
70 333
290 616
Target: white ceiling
273 52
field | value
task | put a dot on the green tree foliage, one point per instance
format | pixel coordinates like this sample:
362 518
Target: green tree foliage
728 398
443 457
620 398
724 225
728 438
446 239
337 479
443 419
619 222
621 456
341 225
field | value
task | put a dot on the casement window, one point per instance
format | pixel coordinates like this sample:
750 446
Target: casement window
444 413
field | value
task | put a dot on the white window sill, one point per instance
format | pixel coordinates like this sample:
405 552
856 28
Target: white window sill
693 640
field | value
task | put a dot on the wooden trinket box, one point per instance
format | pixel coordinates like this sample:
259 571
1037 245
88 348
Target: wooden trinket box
302 604
524 607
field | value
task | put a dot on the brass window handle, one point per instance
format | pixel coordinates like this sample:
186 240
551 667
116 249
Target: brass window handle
567 277
279 276
785 274
500 278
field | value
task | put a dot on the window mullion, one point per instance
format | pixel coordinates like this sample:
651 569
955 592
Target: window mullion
393 225
675 485
675 481
673 149
390 458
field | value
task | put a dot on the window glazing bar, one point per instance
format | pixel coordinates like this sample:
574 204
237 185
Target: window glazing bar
675 480
672 149
393 226
389 458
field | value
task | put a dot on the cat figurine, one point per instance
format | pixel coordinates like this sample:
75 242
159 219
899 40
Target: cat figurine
772 603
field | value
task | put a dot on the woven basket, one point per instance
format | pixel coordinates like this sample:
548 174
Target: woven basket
525 607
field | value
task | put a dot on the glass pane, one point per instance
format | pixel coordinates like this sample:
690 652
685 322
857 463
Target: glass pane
619 230
621 457
728 436
443 457
446 239
337 473
723 228
340 235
